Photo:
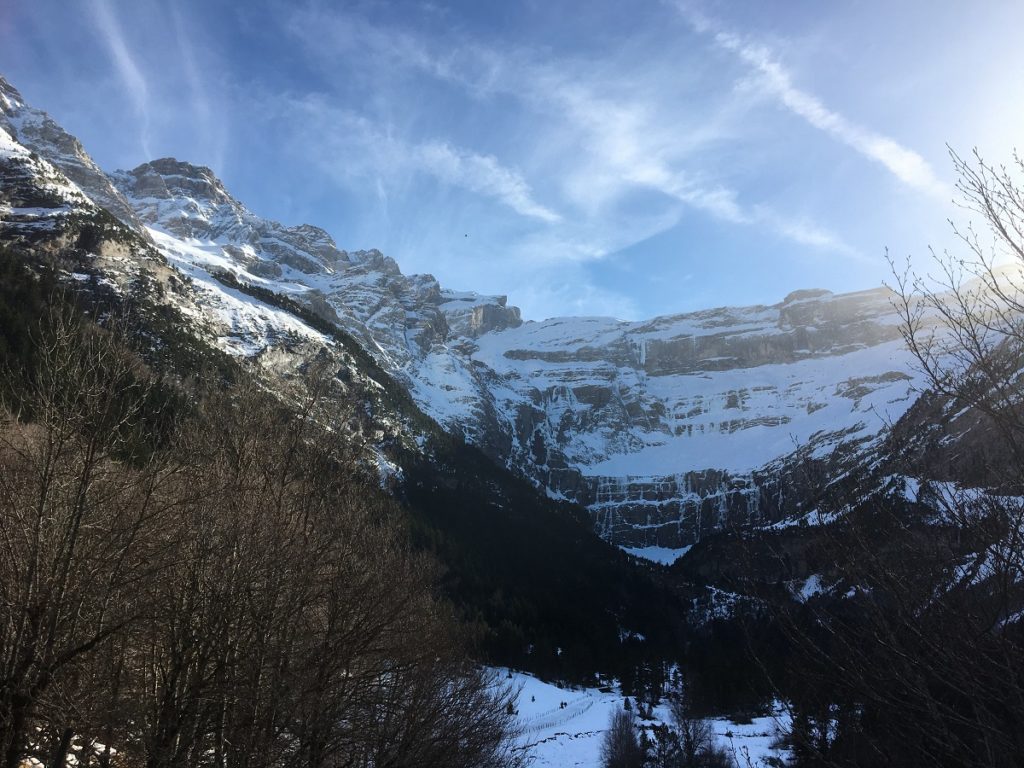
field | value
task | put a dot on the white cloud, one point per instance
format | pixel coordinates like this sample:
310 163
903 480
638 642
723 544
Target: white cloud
808 233
127 68
567 291
358 144
776 81
621 128
482 174
635 146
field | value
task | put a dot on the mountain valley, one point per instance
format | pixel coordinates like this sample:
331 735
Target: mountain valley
610 503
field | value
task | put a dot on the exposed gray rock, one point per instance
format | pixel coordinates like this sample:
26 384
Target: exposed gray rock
37 132
472 315
579 404
662 428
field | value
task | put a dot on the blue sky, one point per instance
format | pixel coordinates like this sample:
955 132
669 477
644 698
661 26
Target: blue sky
591 158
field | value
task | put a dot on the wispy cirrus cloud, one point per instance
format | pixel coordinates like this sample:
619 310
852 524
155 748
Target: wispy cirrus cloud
482 174
127 68
808 233
639 147
573 297
357 144
619 142
606 154
776 81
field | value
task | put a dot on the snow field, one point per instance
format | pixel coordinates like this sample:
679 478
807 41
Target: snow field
553 735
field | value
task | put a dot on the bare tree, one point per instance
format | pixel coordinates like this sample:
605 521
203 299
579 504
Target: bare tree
695 735
76 526
688 741
921 661
621 747
243 597
300 628
964 320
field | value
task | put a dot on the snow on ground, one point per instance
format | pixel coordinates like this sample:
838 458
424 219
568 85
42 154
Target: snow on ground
785 405
571 735
736 417
812 586
443 386
663 555
9 147
45 175
248 325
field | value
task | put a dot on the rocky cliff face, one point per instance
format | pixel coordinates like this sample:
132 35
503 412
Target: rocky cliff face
660 426
34 130
657 426
664 429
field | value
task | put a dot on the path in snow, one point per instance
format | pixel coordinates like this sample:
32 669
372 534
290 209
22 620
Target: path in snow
553 735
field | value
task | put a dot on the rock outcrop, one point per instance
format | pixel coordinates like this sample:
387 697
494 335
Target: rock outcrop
658 426
34 130
664 428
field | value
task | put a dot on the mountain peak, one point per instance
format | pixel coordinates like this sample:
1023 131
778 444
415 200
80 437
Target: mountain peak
189 200
38 132
10 98
169 177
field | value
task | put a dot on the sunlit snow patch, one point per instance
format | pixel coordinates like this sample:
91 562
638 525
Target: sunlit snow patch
564 727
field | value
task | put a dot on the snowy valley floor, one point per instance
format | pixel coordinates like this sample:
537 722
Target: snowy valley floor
554 735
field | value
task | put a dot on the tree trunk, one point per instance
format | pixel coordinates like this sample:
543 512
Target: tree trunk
14 739
59 758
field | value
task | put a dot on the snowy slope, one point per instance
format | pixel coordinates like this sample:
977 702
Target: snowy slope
244 326
34 130
659 427
408 323
627 418
35 197
564 727
49 217
731 390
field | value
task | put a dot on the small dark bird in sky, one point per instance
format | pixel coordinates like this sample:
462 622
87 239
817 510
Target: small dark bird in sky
465 235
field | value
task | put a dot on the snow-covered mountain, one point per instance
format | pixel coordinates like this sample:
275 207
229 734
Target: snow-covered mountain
662 428
656 426
38 133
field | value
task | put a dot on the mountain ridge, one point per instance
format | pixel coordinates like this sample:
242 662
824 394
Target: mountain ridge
517 564
595 410
656 426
